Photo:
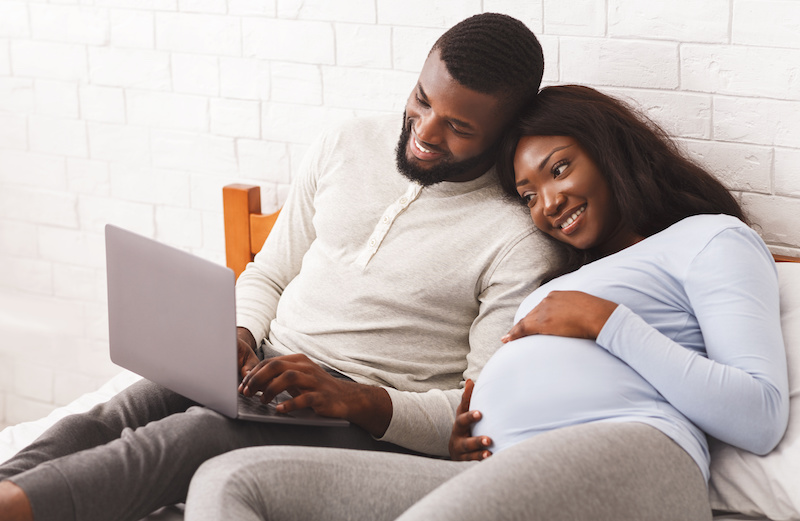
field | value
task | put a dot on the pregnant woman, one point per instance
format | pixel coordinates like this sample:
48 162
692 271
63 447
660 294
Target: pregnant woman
658 327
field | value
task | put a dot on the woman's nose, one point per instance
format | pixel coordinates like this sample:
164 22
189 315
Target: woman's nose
552 201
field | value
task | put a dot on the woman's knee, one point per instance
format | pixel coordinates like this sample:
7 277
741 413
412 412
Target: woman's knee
224 488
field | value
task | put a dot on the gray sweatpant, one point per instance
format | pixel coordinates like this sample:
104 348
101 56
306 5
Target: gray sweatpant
138 452
590 472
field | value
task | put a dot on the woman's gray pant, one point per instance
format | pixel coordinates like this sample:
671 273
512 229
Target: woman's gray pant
138 452
591 472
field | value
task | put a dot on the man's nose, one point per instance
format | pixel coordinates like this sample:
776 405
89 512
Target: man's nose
428 129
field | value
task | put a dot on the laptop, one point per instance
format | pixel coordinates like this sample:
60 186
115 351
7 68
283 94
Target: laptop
172 320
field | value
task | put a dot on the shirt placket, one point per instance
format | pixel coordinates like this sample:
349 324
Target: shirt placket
385 223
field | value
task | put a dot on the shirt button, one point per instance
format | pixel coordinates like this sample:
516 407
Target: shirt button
372 242
385 219
403 200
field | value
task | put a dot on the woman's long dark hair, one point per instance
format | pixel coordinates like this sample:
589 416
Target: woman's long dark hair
653 183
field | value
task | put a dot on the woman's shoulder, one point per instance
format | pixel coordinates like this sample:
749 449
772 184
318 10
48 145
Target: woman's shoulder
721 237
697 231
707 224
676 247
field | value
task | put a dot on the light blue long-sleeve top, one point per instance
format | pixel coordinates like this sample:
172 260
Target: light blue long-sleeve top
694 346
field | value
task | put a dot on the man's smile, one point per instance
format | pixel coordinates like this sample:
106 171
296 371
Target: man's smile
422 151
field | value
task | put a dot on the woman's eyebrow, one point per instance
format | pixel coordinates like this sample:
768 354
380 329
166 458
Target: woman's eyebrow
546 159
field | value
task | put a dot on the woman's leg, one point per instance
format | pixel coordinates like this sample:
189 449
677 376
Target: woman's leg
592 472
304 484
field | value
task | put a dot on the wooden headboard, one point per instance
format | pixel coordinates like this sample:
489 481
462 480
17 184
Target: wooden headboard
246 227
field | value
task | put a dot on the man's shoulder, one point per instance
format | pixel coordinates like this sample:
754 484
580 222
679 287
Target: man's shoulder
505 212
379 126
507 223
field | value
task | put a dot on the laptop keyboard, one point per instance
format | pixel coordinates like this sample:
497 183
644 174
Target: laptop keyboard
253 405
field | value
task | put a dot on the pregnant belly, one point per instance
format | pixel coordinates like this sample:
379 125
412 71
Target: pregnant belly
539 383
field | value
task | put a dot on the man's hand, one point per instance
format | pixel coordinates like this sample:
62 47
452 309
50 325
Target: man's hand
463 445
246 348
311 387
565 313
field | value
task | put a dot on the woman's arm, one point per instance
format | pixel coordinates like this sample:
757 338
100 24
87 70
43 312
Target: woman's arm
572 314
739 393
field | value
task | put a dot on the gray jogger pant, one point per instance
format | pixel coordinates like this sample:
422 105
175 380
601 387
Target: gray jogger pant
590 472
138 452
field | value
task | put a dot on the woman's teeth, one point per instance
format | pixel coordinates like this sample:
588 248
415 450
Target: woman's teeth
572 217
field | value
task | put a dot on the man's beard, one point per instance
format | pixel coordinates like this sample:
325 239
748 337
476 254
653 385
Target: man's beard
443 171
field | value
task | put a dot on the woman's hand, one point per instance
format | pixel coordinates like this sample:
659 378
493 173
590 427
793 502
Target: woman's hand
565 313
463 446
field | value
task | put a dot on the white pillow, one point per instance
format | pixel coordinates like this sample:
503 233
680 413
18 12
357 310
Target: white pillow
767 485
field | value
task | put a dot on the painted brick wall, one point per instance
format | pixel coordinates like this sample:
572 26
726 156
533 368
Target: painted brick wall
137 112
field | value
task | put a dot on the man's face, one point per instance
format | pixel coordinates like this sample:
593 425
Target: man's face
449 131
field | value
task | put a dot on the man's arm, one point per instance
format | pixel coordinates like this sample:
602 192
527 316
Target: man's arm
367 406
261 284
424 421
246 349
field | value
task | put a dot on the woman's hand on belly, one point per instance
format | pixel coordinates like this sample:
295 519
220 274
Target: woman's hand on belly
573 314
463 445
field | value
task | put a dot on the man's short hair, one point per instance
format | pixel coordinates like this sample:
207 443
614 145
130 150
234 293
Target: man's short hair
494 54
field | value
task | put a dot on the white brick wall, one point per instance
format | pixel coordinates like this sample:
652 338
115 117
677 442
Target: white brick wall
137 112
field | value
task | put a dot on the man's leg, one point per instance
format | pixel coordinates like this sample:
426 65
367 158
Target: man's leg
590 472
14 505
303 483
132 407
152 466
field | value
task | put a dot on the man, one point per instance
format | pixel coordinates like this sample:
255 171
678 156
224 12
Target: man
389 278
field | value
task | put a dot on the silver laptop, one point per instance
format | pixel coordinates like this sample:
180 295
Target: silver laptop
172 319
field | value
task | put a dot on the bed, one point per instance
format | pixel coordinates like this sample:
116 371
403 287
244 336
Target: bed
743 486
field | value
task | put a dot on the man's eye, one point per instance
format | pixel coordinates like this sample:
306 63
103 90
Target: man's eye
422 102
459 132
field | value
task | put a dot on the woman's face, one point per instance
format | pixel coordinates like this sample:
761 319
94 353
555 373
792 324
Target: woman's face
568 197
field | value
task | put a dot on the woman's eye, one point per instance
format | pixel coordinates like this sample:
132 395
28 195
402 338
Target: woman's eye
529 198
559 168
421 101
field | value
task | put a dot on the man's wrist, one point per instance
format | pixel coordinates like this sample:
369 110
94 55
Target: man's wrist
370 408
242 333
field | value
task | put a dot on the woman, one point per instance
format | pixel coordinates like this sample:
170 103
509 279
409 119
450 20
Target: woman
597 406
